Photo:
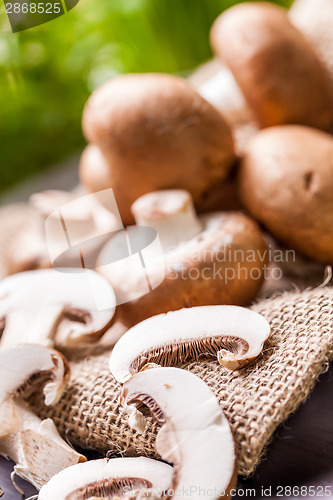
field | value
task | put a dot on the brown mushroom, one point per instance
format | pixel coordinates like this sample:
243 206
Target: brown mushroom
275 66
315 20
218 258
286 183
156 132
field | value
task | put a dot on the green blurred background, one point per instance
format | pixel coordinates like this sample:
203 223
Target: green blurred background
47 73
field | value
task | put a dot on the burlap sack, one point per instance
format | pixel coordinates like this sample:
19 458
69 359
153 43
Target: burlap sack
256 400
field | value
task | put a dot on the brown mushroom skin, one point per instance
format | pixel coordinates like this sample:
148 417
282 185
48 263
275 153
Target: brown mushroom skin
275 66
204 279
94 171
315 20
286 183
156 132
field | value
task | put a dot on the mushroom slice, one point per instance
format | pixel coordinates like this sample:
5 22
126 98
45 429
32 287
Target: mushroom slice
235 335
105 478
28 367
67 307
35 445
195 435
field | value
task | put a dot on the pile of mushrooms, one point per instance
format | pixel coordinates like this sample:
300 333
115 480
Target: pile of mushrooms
250 132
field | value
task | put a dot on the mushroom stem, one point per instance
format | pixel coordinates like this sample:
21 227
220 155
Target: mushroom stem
36 447
171 213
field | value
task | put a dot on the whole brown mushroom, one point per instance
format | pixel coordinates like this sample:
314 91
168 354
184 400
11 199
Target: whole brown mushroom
274 65
286 183
155 132
218 258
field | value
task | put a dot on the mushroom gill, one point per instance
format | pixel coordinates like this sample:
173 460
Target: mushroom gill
147 405
109 488
181 351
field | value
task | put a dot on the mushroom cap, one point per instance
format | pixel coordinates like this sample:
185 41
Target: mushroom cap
107 479
94 171
158 131
224 264
236 333
315 20
74 305
221 90
275 66
285 182
26 368
195 435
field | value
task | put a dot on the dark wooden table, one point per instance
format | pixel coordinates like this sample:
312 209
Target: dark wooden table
300 455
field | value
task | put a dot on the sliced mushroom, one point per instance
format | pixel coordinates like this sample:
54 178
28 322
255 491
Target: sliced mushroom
234 334
195 435
115 478
219 258
46 306
35 446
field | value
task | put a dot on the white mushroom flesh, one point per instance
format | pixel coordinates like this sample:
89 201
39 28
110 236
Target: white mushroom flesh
108 479
35 445
235 335
65 307
171 213
195 436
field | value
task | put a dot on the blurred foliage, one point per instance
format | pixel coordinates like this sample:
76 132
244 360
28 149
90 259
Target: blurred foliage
47 73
